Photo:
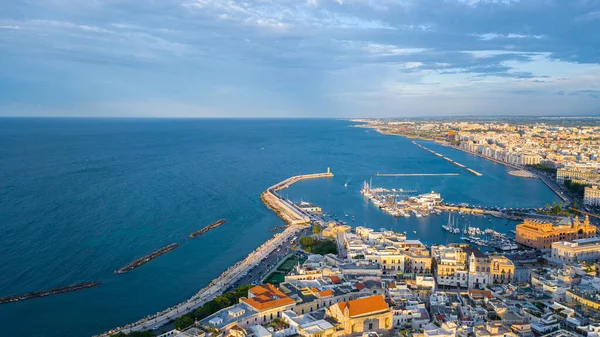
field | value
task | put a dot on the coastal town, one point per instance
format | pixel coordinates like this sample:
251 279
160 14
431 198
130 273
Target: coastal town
561 155
330 279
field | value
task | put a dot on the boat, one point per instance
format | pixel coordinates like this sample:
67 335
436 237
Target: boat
414 232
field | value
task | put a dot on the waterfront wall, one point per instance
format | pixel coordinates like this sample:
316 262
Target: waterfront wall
283 208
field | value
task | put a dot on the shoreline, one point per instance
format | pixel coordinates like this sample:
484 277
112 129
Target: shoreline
236 271
557 192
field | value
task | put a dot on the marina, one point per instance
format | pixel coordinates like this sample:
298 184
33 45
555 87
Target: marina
448 159
141 261
207 228
398 203
55 291
476 236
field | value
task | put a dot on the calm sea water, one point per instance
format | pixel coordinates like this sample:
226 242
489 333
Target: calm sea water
79 198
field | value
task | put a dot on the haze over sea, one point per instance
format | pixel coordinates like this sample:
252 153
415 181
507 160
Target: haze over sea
82 197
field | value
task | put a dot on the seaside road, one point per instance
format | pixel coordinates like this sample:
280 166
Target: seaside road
228 278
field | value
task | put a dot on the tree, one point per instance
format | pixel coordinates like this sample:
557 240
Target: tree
307 241
317 230
183 322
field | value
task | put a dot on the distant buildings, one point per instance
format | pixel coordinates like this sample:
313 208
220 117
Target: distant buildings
537 234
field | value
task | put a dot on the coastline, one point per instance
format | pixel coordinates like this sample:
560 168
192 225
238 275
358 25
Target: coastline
559 193
235 272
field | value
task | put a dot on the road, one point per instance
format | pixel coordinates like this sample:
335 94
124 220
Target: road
252 266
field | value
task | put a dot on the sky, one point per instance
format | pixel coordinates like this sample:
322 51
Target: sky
301 58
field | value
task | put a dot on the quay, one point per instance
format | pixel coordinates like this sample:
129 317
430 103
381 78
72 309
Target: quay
143 260
59 290
448 159
414 174
285 209
297 220
207 228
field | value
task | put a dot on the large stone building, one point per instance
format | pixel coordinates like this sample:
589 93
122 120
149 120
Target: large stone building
368 314
465 266
537 234
576 250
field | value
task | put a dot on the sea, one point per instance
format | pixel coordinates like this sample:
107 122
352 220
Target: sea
80 198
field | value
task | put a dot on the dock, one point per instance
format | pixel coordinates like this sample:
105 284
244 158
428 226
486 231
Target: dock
54 291
143 260
285 209
448 159
415 174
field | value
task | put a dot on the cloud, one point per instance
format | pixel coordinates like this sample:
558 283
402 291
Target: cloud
493 36
307 58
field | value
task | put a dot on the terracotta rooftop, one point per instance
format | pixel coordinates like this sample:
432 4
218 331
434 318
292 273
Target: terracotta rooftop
326 293
335 279
476 293
267 296
364 306
359 286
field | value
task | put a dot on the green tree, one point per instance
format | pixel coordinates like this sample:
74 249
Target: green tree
317 230
183 322
307 241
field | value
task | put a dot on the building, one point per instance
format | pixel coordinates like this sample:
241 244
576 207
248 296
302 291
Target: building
465 266
577 250
367 314
268 301
417 261
309 325
565 174
537 234
493 329
591 195
309 208
450 265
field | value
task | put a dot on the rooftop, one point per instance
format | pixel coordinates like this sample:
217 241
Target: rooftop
364 306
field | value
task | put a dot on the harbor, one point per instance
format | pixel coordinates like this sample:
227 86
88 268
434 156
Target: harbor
480 237
398 203
285 209
143 260
448 159
54 291
207 228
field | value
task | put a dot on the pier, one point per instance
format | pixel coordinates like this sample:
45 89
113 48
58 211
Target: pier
414 174
448 159
55 291
207 228
141 261
286 210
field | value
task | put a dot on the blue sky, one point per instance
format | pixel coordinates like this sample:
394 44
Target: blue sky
315 58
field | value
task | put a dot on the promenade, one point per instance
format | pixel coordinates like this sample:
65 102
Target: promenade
298 221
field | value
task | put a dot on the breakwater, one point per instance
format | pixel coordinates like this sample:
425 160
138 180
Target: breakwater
147 258
207 228
448 159
285 209
55 291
